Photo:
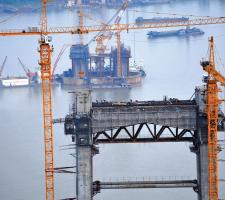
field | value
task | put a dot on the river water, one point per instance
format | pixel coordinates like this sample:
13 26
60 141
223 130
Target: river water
172 67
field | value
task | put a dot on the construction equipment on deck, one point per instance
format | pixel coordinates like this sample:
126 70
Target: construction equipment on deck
107 35
213 78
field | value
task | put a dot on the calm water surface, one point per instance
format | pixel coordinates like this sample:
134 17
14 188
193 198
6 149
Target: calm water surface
172 67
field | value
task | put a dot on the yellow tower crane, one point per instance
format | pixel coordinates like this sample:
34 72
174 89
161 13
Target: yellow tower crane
45 62
212 104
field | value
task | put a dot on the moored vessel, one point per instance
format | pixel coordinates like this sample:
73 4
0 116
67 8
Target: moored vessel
178 33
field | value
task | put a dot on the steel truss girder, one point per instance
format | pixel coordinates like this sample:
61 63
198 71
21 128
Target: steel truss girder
146 184
132 134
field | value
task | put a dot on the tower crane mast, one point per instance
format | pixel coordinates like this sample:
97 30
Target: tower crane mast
45 63
81 22
214 77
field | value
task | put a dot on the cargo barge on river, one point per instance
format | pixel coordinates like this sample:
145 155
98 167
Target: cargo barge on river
177 33
141 20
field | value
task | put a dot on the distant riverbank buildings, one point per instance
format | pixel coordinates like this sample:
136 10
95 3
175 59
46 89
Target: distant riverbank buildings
73 3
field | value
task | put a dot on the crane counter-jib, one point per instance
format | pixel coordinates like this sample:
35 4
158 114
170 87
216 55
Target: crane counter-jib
112 27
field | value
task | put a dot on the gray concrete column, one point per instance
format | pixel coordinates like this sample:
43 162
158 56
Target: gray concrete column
202 159
84 177
84 144
201 144
202 171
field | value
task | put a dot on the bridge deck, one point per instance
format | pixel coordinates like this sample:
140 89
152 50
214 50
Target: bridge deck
112 115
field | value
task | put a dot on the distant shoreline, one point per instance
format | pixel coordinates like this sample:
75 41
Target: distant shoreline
28 6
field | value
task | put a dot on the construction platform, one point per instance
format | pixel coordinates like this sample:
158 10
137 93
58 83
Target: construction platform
101 70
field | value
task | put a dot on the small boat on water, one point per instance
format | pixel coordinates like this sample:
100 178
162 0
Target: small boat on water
178 33
141 20
149 2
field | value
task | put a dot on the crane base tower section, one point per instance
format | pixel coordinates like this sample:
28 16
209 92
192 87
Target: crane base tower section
101 70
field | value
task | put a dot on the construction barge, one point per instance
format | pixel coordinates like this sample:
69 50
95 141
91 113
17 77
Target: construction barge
31 78
14 81
177 33
18 81
101 70
140 20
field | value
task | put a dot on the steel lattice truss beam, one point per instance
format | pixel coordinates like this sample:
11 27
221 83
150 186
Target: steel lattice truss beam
112 27
133 134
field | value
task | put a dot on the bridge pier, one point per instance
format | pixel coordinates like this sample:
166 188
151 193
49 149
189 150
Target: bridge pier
201 145
202 159
122 122
84 146
84 172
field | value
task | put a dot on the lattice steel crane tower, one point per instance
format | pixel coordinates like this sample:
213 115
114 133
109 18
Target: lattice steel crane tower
212 103
45 62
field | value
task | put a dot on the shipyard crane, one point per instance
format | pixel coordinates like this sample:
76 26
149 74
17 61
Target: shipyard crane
45 62
2 66
213 78
107 35
29 74
63 49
